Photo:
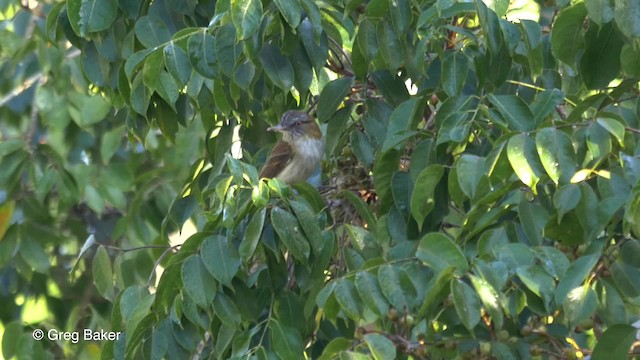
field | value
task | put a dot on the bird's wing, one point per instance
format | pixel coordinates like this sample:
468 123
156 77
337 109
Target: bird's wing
280 156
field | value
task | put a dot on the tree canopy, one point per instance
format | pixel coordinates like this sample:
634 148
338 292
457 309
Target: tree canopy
480 193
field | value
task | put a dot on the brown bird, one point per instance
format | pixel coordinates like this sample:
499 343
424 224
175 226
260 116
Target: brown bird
296 156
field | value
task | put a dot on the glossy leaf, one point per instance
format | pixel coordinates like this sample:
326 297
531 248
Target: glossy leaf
522 157
556 154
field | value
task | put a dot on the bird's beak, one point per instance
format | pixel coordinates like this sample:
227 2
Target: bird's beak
278 128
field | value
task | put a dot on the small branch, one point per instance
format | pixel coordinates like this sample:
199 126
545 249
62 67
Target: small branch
155 265
111 247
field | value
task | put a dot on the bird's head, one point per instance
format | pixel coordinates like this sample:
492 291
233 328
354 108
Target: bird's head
297 125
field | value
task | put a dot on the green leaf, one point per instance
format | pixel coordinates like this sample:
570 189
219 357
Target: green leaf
277 67
243 75
567 39
533 37
12 331
103 273
466 303
252 234
423 196
499 6
246 16
490 27
202 55
574 277
289 232
470 170
615 343
600 11
400 123
389 279
533 218
177 63
538 281
401 189
335 347
336 126
380 346
151 31
627 278
111 142
348 299
332 96
566 198
546 103
309 223
227 48
627 16
197 282
361 207
600 63
286 342
556 154
580 304
614 127
455 69
401 15
317 51
490 299
522 157
514 110
439 253
384 168
97 15
291 11
554 261
629 60
220 258
226 310
371 293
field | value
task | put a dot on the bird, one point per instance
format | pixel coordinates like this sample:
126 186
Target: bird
297 155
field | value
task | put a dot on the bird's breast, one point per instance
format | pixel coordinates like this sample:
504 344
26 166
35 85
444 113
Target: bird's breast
307 155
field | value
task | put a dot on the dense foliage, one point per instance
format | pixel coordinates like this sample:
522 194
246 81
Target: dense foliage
480 189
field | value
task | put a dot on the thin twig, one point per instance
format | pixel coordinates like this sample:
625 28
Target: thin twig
155 265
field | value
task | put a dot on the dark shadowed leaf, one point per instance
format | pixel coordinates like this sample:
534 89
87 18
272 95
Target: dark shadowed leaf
332 96
277 67
615 342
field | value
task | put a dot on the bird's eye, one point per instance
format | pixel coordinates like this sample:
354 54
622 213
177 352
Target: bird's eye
298 123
